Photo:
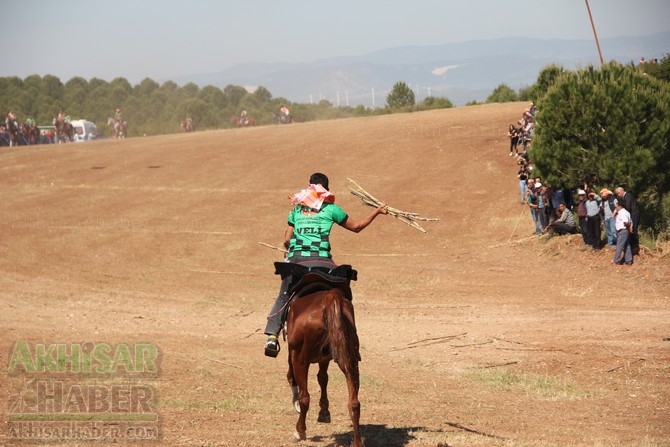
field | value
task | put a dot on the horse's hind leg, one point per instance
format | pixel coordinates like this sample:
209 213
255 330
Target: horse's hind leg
300 372
354 404
294 387
322 377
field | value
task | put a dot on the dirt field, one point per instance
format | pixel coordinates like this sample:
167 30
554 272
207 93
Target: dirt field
472 334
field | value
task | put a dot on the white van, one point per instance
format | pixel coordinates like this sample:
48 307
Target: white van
84 130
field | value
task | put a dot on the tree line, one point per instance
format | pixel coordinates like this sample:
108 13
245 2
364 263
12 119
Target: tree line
154 109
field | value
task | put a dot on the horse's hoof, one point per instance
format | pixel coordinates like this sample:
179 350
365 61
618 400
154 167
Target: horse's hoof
296 405
324 417
299 436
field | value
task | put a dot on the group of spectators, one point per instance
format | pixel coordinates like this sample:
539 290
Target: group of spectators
553 209
521 133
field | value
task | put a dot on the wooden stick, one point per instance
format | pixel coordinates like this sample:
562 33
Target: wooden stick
223 363
273 247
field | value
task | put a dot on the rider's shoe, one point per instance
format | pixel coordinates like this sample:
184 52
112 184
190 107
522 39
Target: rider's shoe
272 346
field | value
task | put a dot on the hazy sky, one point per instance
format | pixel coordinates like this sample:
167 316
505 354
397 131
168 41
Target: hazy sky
162 39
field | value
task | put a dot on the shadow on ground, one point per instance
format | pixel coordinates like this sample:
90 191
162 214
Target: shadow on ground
376 435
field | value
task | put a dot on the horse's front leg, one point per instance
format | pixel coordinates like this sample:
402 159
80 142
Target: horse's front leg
322 377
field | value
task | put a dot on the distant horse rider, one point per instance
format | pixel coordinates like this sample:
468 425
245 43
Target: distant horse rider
118 122
243 118
12 127
11 119
284 114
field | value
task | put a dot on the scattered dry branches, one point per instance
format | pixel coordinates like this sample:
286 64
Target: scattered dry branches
408 218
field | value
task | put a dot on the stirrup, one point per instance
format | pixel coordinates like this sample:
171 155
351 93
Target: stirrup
272 349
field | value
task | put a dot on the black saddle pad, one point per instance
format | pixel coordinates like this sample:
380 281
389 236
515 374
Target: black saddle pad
310 278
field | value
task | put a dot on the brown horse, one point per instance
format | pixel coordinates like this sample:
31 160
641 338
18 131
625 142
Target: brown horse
64 131
238 122
320 328
32 133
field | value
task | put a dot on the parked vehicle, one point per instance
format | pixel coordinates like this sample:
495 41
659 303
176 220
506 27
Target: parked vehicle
84 130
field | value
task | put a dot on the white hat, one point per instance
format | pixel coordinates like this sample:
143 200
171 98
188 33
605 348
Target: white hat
581 192
538 184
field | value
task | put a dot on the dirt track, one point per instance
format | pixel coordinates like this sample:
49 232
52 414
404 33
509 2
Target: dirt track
473 334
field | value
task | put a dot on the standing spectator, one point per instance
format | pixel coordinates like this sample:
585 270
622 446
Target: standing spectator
556 195
531 199
609 202
513 135
593 220
624 228
542 204
523 175
629 202
581 214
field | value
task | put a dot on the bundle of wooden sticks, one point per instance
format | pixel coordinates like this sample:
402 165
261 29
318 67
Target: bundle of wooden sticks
403 216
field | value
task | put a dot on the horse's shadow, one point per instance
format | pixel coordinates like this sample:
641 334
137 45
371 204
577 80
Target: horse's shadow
376 435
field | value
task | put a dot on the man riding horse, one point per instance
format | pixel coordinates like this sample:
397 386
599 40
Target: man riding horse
12 127
307 238
120 126
320 321
31 131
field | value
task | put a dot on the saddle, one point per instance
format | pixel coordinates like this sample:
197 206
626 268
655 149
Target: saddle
306 280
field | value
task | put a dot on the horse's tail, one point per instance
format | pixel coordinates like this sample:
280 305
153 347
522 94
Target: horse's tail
342 336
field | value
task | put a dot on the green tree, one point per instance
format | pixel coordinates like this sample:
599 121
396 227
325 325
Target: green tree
611 125
433 102
401 96
545 80
262 95
503 93
235 93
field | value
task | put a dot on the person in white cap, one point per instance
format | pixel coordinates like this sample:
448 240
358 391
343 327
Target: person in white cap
581 213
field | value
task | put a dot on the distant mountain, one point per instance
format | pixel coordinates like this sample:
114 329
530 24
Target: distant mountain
462 72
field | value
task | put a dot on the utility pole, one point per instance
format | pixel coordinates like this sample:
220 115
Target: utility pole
594 33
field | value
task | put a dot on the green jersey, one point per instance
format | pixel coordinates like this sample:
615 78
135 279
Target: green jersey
311 230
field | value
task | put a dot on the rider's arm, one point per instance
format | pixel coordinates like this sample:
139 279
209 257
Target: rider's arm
356 227
288 234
